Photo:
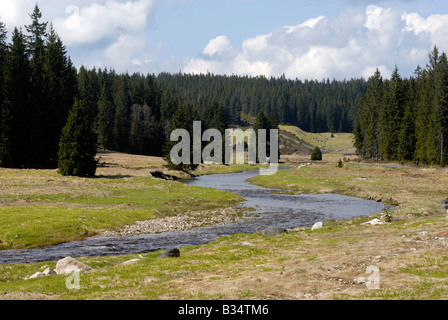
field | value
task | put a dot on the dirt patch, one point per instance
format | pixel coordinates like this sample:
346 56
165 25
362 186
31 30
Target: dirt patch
26 296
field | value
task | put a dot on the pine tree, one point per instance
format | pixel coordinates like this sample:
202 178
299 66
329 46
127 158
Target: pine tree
76 156
60 89
18 138
106 114
441 108
368 121
427 144
392 114
4 151
180 120
122 121
35 43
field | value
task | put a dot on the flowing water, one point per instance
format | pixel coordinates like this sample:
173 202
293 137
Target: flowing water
271 209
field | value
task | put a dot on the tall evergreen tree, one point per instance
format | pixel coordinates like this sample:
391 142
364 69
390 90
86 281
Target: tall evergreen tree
106 114
180 120
60 89
18 138
441 108
391 117
3 124
122 121
76 156
35 42
368 123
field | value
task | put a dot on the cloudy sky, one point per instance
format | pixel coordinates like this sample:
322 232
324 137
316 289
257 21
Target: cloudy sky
305 39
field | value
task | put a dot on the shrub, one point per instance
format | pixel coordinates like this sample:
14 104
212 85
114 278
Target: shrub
316 154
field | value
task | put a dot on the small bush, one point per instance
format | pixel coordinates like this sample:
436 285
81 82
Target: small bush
317 154
340 164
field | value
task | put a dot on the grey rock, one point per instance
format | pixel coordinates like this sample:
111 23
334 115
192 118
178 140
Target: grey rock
130 262
68 265
360 280
273 231
317 226
37 275
170 253
49 272
445 201
443 208
247 244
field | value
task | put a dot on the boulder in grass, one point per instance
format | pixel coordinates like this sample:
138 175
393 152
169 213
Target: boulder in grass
317 226
273 231
170 253
49 272
68 265
37 275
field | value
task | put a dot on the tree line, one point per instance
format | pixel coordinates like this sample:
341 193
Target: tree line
314 106
406 119
37 90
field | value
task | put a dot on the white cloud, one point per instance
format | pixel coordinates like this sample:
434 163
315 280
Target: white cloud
310 23
90 24
217 46
349 46
435 27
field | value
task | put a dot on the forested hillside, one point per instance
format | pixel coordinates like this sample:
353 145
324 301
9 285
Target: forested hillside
406 119
326 106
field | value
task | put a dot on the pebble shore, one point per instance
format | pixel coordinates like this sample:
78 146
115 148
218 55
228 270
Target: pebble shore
186 221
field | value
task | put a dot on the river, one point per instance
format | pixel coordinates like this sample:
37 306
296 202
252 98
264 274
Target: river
271 209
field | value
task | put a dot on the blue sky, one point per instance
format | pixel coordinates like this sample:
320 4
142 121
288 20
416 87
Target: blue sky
306 39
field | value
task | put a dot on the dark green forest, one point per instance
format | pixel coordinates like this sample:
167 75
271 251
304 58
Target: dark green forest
393 119
136 113
406 119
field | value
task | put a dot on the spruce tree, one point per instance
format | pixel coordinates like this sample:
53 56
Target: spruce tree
122 120
77 147
180 120
106 115
18 138
3 52
441 108
35 43
60 89
392 115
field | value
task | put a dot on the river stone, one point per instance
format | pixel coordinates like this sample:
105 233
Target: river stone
170 253
69 265
317 226
130 262
273 231
37 275
49 272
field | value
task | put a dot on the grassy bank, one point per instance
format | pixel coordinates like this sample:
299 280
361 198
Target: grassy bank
39 208
328 142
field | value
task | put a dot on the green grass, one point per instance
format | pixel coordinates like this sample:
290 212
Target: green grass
339 142
91 205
